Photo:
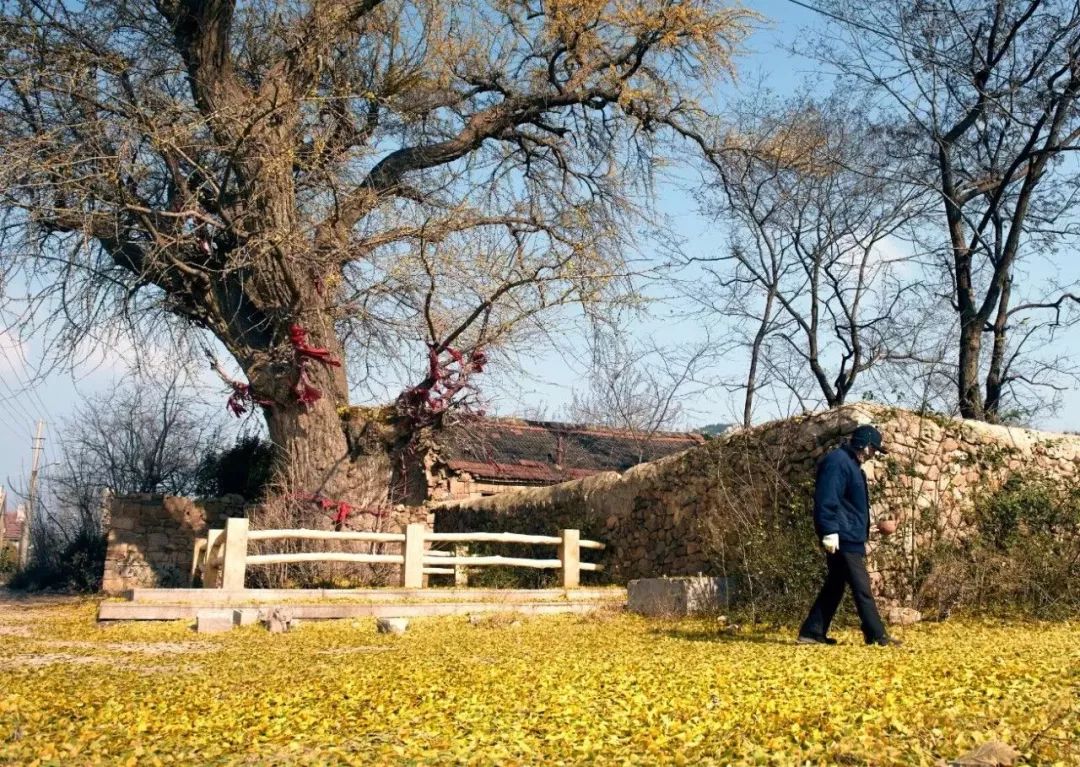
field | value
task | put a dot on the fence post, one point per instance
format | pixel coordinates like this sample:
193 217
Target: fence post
412 571
570 556
211 571
461 575
199 555
236 543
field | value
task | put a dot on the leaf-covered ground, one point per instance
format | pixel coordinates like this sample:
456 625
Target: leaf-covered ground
613 689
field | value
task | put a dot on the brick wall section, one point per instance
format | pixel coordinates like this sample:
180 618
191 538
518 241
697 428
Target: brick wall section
151 538
652 516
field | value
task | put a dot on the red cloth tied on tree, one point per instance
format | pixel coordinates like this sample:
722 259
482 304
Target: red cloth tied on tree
306 392
298 337
444 383
238 399
342 509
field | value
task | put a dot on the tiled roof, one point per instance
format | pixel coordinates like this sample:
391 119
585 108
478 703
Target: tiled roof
525 452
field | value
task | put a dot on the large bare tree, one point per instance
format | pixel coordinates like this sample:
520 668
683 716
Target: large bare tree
810 274
985 93
313 181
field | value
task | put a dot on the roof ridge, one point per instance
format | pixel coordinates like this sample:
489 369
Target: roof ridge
563 426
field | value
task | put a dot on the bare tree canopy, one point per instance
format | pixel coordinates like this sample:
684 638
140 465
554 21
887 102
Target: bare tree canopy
314 181
131 440
809 275
639 387
984 94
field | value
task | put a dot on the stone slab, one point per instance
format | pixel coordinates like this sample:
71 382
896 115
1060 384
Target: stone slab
213 621
246 617
395 625
676 597
134 611
254 596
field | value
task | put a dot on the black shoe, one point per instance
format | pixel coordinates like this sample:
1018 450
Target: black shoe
807 639
886 641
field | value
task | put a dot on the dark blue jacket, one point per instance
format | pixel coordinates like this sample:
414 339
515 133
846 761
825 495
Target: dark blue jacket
842 500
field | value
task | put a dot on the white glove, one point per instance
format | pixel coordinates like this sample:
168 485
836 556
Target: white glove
831 542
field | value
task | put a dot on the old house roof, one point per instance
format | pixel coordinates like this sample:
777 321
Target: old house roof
12 526
523 452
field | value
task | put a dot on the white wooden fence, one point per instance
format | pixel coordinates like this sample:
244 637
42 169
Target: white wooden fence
223 555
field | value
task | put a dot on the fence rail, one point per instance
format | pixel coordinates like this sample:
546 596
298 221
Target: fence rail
223 555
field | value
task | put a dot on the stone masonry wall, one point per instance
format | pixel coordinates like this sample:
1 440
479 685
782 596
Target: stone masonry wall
151 538
654 516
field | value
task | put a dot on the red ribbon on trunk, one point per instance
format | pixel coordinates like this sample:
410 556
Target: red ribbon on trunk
306 392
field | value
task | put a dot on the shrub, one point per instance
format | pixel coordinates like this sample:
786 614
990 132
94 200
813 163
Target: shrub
9 558
759 530
245 469
76 566
1021 554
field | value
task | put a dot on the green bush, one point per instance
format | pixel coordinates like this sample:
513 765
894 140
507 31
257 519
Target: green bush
759 529
1021 554
77 566
9 559
245 469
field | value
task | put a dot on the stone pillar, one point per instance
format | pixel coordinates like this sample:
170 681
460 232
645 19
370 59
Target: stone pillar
211 569
461 573
412 572
236 543
570 556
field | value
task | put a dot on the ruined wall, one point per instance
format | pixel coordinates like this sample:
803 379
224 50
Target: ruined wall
654 517
151 538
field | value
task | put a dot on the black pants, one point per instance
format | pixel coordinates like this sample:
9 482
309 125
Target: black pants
849 569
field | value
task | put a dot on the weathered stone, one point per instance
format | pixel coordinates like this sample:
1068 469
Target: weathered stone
213 621
395 626
246 617
902 616
676 597
278 620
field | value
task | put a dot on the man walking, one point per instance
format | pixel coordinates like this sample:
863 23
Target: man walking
842 523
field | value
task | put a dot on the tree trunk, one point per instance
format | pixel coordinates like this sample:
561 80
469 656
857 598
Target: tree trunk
995 377
971 401
755 356
312 452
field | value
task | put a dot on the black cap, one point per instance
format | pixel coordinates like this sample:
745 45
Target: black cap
867 436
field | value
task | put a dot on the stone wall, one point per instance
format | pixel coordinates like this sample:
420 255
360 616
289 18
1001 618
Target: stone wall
654 517
151 538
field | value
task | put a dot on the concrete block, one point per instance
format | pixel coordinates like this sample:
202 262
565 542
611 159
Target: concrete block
677 597
392 625
248 617
213 621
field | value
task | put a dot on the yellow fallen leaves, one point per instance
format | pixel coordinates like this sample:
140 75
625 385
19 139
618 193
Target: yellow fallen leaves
558 690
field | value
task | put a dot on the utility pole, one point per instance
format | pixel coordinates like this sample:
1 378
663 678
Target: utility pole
31 502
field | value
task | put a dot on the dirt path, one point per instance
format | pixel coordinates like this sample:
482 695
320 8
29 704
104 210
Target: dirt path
9 598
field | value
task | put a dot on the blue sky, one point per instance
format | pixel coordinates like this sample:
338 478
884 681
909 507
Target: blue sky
543 384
